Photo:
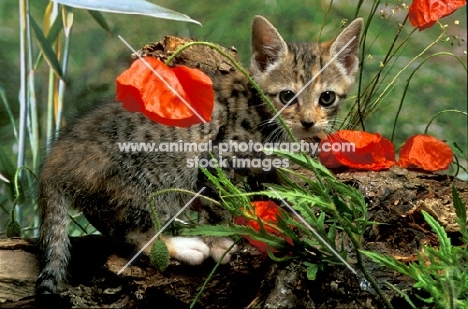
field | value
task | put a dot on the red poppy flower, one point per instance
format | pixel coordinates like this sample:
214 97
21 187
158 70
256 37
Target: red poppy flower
356 149
267 211
425 13
142 90
426 152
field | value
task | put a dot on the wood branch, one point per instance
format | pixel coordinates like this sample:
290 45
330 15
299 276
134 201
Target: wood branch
198 56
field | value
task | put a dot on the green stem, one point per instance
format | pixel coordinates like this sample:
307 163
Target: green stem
67 17
324 20
392 83
362 267
23 97
152 196
8 110
356 239
17 181
155 217
33 127
444 111
360 112
78 225
51 86
212 273
457 164
358 7
368 93
407 86
50 111
372 281
242 70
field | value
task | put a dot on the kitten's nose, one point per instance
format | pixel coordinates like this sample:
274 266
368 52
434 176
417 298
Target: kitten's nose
307 124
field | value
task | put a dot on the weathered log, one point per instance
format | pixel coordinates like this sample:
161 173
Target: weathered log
395 198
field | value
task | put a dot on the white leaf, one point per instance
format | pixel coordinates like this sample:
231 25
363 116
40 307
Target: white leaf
140 7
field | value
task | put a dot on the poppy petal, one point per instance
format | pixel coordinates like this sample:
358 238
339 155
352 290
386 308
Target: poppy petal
426 152
200 93
267 211
370 151
425 13
142 90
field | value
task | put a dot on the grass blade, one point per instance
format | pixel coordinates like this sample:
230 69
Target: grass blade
46 49
8 109
99 18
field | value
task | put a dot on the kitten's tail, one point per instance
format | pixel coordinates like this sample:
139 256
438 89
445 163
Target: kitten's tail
53 240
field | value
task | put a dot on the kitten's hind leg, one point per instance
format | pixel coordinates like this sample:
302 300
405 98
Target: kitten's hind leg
194 250
219 245
189 250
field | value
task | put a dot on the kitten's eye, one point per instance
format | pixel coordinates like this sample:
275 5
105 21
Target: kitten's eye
327 98
286 96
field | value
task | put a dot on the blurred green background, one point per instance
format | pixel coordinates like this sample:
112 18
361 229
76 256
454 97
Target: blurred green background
97 57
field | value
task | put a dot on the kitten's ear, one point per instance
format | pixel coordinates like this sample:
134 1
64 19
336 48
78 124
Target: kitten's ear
348 57
267 44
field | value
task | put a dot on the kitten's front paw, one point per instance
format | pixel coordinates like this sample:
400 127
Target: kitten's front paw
219 246
190 250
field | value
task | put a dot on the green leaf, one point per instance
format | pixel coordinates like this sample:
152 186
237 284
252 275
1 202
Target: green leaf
331 235
8 109
388 262
311 270
457 150
222 231
460 210
444 241
99 18
139 7
7 170
341 205
285 228
159 255
402 294
46 49
232 198
277 259
296 197
212 230
51 37
432 253
305 161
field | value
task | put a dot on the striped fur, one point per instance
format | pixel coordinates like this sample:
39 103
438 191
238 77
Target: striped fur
86 169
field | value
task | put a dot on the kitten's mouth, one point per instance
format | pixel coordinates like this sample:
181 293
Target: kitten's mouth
322 135
312 134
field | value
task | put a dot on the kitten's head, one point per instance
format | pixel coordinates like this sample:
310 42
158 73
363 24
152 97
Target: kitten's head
283 69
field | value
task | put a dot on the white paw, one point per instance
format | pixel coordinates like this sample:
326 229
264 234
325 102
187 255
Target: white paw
190 250
219 247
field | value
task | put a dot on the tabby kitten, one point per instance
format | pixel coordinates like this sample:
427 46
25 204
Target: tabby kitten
86 168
